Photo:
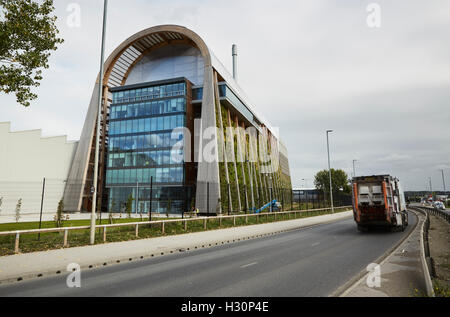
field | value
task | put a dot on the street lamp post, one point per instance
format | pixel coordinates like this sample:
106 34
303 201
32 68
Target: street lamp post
443 182
94 188
354 170
306 182
329 171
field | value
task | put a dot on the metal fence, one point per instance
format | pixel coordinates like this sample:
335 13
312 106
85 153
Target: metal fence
438 213
161 225
27 201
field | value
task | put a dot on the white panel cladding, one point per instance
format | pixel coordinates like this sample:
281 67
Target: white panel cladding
168 62
26 159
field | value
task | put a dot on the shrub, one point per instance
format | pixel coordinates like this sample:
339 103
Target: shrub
129 205
59 218
18 208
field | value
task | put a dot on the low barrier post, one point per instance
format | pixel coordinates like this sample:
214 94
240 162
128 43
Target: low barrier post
16 245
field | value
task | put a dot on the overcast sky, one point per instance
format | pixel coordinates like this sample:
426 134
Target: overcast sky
307 65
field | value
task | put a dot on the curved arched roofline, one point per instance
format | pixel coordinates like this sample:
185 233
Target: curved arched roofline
155 30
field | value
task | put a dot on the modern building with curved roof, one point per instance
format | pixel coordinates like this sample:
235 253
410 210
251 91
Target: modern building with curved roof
177 132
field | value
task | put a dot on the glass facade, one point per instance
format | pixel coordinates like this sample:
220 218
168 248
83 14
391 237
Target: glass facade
226 92
143 148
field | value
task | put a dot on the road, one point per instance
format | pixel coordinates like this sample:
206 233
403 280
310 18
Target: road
306 262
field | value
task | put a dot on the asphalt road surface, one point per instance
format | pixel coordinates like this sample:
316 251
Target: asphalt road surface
306 262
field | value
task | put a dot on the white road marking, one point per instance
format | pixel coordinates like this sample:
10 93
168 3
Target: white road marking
247 265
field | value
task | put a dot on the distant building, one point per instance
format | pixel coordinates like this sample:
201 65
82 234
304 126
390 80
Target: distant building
26 158
304 194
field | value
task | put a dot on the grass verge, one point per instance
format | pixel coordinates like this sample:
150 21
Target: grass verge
48 241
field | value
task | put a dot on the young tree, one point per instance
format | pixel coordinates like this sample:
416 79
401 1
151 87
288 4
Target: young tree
168 207
28 34
59 217
339 181
18 208
129 205
113 208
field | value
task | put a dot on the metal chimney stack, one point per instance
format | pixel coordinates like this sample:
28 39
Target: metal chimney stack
234 52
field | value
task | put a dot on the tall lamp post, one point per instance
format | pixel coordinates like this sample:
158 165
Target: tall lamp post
94 188
431 187
354 170
329 170
443 182
306 182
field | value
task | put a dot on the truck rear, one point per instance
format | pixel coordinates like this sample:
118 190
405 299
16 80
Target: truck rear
379 201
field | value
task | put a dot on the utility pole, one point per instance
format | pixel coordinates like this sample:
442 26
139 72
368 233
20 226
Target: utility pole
443 182
42 205
94 188
354 170
431 187
329 171
306 182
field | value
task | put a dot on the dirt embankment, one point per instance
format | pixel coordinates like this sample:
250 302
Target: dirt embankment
439 241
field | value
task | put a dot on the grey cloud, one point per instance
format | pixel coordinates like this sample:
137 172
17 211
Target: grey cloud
307 66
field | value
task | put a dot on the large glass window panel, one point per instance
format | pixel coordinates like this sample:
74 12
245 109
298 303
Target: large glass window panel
129 125
180 121
156 91
166 157
181 104
173 122
166 175
141 111
134 143
159 158
154 141
118 160
161 107
121 177
160 123
153 124
114 176
153 158
159 175
166 123
112 128
140 176
129 160
146 175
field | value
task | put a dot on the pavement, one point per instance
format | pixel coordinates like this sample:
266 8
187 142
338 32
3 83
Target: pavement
310 257
401 273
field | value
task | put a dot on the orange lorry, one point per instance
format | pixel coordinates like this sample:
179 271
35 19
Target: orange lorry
379 200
